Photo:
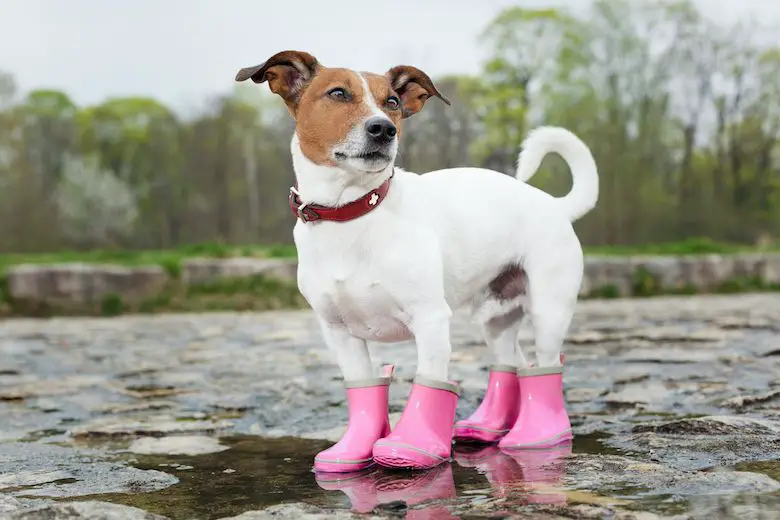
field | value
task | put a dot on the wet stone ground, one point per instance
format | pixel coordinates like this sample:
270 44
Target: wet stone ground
675 404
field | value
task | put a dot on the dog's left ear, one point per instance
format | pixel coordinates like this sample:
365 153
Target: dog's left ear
414 86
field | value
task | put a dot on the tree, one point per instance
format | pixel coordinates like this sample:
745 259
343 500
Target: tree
96 208
523 47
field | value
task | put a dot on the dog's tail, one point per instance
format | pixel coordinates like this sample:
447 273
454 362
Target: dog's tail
585 187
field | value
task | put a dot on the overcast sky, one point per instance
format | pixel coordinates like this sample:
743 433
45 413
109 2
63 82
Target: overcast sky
181 51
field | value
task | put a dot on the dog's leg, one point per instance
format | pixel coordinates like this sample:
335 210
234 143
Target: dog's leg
431 330
553 300
367 399
500 334
423 436
498 410
542 420
351 353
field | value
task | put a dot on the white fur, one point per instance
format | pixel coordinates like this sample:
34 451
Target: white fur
368 99
433 245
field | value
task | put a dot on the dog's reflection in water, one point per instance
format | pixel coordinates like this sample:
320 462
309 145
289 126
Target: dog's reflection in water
518 477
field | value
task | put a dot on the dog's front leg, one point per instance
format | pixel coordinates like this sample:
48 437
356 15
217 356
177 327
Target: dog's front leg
367 400
423 436
431 330
351 353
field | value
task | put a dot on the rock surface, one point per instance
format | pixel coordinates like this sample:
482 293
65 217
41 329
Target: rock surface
83 511
83 283
673 403
203 270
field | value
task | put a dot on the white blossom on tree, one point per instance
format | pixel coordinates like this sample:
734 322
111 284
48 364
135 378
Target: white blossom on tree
95 206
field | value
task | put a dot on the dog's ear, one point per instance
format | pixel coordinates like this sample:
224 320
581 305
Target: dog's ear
286 72
414 86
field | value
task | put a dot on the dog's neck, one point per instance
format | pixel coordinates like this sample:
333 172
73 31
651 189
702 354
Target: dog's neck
329 185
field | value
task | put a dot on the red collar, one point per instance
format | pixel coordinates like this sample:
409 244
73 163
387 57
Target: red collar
355 209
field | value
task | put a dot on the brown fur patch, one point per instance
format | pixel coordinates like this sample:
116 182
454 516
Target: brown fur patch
510 283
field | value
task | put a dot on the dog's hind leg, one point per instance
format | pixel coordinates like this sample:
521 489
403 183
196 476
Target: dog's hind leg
542 421
498 410
367 400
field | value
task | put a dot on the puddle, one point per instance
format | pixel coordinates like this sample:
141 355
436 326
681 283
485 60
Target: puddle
255 473
259 472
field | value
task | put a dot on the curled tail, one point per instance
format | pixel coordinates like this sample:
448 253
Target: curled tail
585 187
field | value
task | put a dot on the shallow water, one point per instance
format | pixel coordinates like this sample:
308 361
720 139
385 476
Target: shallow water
257 472
480 482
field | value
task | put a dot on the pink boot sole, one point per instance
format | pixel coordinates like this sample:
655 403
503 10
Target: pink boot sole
368 422
496 413
542 421
422 438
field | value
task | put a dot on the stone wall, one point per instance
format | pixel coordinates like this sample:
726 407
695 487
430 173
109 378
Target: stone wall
603 277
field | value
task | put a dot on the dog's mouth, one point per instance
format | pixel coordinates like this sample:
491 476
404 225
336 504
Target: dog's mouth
372 156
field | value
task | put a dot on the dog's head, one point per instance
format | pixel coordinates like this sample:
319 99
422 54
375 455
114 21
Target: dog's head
344 118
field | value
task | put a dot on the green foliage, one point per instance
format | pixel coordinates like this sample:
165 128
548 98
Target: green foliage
690 246
282 251
643 283
170 260
682 115
111 305
606 292
745 284
5 294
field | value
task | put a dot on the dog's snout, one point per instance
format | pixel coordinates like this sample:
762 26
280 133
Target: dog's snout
380 129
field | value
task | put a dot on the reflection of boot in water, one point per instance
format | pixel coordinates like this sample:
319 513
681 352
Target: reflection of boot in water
360 487
419 487
503 473
543 472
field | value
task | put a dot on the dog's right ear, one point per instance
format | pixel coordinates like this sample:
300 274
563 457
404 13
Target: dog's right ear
286 72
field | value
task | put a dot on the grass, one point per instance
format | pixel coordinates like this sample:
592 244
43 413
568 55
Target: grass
169 259
255 293
691 246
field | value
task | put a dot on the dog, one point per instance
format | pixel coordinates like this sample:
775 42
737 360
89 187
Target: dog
386 255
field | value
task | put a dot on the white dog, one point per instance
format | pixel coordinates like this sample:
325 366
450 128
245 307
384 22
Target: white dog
386 255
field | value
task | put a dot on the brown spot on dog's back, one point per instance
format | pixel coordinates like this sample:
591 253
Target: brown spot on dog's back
510 283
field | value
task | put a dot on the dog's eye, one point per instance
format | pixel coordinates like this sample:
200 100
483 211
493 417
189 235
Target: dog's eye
338 93
393 103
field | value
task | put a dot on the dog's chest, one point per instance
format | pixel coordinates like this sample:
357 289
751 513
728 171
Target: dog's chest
352 292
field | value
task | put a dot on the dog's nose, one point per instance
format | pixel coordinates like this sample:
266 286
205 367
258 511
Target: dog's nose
380 129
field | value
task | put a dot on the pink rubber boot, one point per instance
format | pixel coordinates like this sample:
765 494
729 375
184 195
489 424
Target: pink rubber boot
422 438
368 421
542 421
497 412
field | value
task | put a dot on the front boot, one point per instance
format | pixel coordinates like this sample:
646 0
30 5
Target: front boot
368 421
422 438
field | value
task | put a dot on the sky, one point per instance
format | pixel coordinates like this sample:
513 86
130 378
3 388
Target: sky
184 51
